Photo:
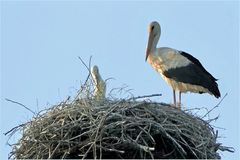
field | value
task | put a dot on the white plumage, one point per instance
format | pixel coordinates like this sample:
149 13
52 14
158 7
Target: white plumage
99 84
168 58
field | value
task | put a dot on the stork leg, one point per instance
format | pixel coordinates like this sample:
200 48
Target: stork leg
179 100
174 98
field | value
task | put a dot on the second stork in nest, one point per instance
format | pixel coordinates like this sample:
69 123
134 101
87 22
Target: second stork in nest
99 84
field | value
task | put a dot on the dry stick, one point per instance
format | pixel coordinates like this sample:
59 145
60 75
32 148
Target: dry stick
9 100
99 129
111 150
140 146
147 133
100 148
15 128
139 133
51 155
12 132
89 62
122 89
85 154
149 149
89 73
229 149
93 144
88 67
145 96
215 106
189 147
111 78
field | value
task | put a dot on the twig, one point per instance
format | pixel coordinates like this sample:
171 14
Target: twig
229 149
145 96
89 62
214 106
111 78
14 128
85 85
212 119
9 100
87 67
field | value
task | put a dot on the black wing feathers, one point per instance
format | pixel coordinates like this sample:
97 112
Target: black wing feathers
197 62
194 74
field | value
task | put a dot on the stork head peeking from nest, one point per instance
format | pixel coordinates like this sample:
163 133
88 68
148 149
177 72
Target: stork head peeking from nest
99 84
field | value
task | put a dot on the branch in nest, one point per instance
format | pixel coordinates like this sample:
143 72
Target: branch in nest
229 149
214 106
14 129
9 100
145 96
88 68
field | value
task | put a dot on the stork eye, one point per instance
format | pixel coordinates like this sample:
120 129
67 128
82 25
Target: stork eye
152 28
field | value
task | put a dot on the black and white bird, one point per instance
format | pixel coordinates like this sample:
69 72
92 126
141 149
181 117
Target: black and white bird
180 70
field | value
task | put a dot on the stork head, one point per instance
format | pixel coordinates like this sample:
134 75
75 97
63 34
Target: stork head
154 31
94 71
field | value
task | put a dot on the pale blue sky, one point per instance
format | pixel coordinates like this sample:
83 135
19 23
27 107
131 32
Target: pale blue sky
40 43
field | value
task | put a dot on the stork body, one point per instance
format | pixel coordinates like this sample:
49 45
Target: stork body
99 84
179 69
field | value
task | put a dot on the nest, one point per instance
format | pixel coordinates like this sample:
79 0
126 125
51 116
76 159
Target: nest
86 128
110 128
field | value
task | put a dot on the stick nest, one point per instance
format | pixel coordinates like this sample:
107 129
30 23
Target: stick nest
86 128
117 129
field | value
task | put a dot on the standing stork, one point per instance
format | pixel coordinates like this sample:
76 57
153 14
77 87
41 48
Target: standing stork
180 70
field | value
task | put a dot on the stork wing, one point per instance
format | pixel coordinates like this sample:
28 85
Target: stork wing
195 75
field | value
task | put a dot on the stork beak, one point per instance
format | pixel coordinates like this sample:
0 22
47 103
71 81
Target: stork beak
147 53
149 45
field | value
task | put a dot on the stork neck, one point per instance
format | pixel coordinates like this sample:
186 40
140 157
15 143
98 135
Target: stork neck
154 44
153 51
153 48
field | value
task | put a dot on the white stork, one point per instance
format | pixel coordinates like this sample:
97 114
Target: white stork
180 70
99 84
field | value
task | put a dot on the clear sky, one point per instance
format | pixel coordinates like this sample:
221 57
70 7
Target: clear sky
40 43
